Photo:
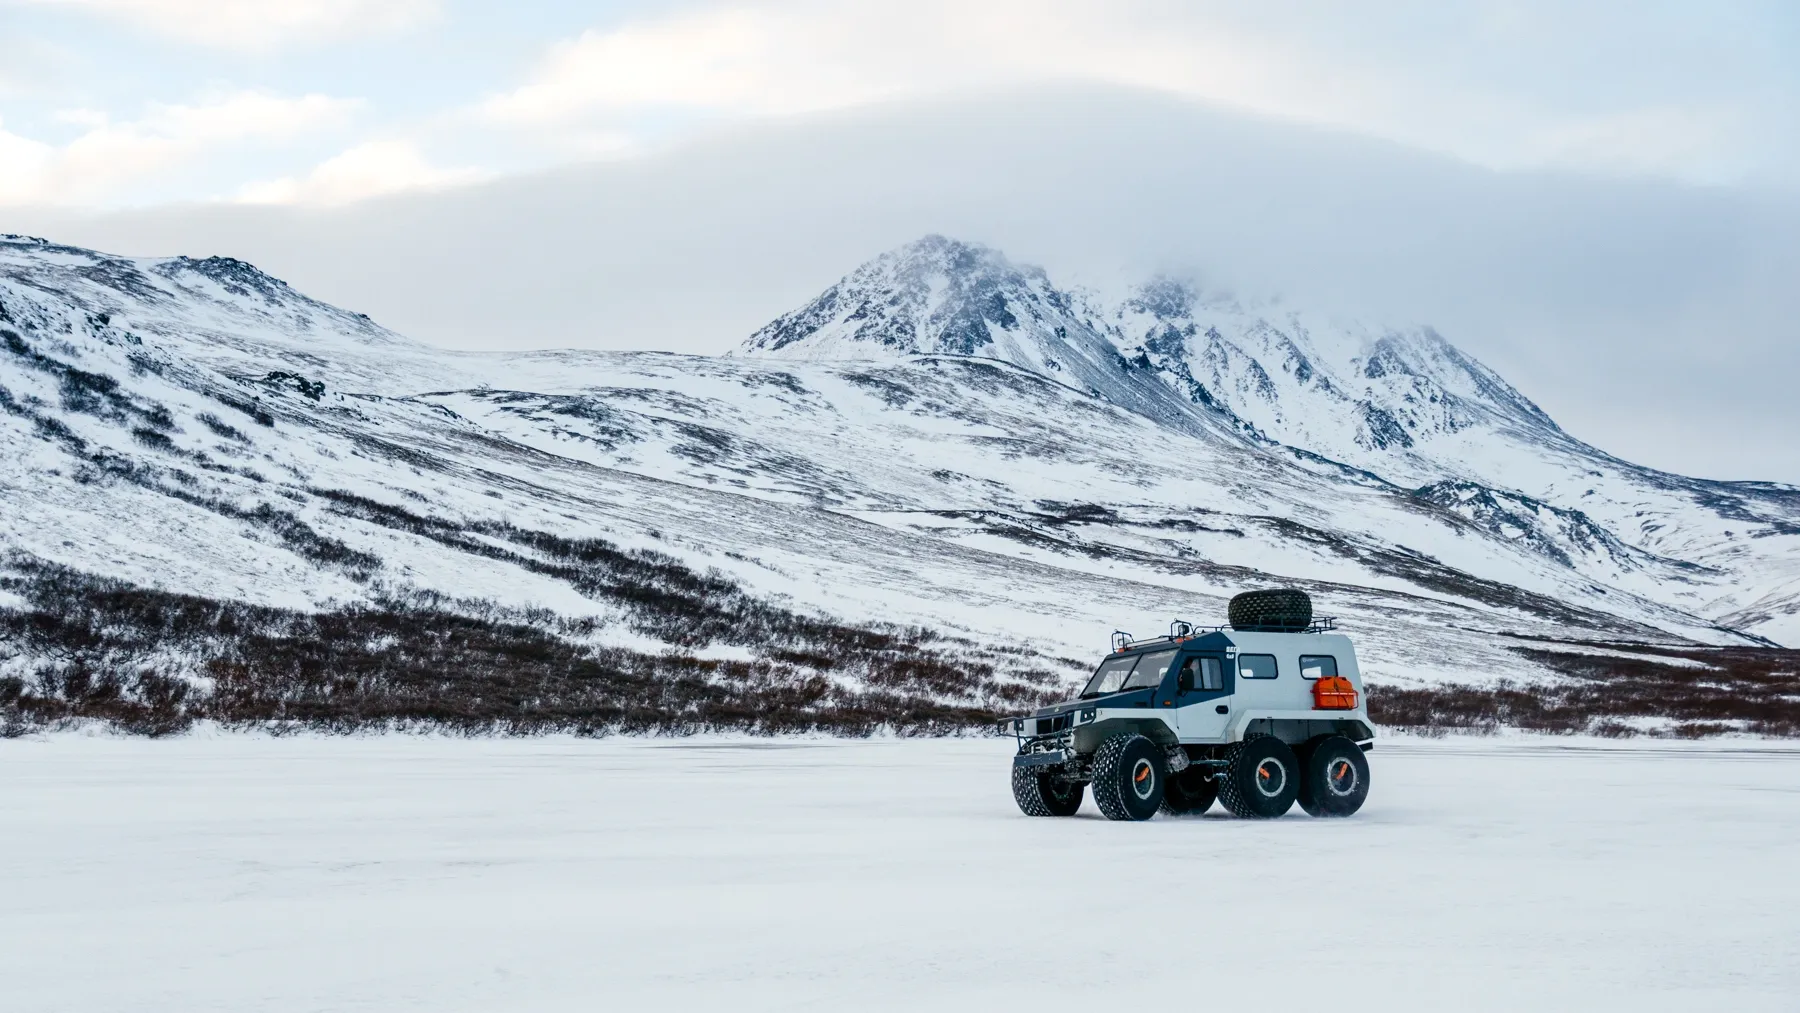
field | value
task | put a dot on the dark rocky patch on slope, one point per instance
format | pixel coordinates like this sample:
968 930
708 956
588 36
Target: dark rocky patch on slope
1556 532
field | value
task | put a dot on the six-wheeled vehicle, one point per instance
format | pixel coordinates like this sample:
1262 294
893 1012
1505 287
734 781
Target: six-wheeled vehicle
1257 715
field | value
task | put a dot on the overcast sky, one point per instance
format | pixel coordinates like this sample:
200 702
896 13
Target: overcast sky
122 102
1597 198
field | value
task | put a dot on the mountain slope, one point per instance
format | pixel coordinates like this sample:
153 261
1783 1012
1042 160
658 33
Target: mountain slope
1401 407
1408 405
1340 388
205 472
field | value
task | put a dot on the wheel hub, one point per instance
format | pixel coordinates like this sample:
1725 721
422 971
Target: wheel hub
1271 777
1143 779
1340 776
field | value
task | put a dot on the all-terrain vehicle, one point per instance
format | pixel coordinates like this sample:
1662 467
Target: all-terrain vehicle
1259 714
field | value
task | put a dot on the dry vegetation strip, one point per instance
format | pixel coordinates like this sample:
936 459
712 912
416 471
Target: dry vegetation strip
127 655
151 662
1754 690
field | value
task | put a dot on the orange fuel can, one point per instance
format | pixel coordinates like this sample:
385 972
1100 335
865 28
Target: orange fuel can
1334 693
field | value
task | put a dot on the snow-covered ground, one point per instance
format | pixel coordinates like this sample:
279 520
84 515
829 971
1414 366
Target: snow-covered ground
404 873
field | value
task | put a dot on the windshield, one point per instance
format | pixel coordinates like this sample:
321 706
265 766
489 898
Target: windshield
1138 671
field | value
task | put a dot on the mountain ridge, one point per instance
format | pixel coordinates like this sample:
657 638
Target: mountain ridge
232 441
1401 404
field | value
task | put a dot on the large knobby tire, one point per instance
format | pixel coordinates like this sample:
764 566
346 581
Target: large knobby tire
1335 778
1041 794
1282 610
1190 792
1261 779
1129 776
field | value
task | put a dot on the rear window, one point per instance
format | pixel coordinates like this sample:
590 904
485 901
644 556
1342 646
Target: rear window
1257 666
1318 666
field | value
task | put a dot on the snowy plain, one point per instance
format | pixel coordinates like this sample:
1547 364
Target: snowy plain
243 872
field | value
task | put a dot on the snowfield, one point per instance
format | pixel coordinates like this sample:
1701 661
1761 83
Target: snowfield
406 873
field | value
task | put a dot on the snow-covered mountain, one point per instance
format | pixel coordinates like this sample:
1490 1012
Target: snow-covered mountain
1408 405
1402 408
938 296
942 444
1340 388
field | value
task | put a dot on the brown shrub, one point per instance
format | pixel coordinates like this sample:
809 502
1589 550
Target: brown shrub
1756 690
468 668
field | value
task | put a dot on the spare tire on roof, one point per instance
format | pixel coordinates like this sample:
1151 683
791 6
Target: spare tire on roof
1283 610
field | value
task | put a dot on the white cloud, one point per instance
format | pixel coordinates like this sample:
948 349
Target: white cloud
1508 84
366 170
740 60
28 65
1307 62
110 156
257 24
24 166
1690 139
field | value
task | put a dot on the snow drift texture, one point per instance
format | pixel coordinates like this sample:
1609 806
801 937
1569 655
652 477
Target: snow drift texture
932 490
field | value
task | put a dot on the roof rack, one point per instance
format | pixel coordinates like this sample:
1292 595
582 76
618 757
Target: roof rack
1180 630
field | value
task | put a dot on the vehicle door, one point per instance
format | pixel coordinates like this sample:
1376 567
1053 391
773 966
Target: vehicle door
1203 697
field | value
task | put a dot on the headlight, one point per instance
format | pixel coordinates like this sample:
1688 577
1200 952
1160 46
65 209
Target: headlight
1087 714
1018 725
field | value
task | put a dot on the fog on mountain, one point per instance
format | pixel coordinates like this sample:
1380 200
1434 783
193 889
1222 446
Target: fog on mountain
1606 299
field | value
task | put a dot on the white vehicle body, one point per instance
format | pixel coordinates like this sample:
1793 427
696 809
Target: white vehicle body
1254 719
1267 688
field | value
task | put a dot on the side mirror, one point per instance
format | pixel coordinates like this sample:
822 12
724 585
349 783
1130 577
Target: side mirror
1185 682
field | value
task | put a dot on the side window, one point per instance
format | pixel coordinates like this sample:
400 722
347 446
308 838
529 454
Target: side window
1203 674
1257 666
1318 666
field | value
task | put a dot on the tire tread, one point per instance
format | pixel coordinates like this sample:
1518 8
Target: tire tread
1231 782
1028 792
1108 780
1280 610
1177 801
1311 799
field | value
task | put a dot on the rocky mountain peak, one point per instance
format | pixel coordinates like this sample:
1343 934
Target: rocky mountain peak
935 295
1352 391
1164 299
235 276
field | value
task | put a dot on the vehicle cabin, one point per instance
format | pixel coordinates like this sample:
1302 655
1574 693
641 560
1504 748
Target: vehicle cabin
1221 686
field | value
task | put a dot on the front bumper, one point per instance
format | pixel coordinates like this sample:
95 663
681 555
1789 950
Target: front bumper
1048 758
1046 742
1040 728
